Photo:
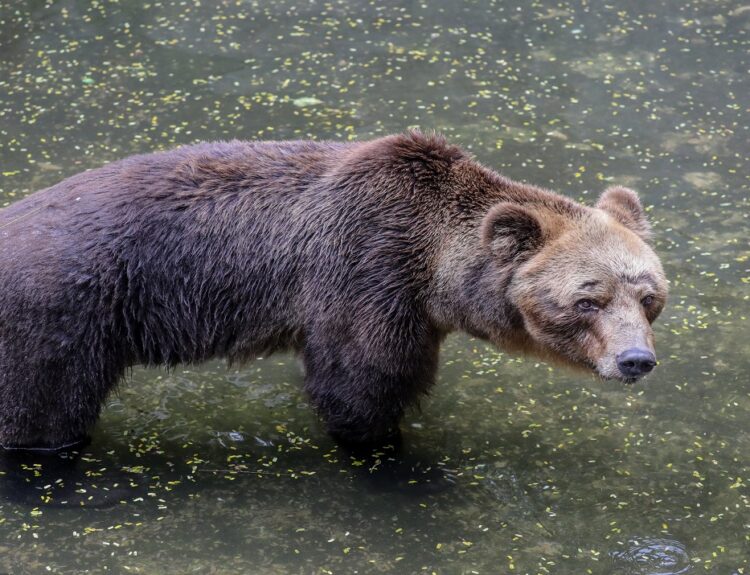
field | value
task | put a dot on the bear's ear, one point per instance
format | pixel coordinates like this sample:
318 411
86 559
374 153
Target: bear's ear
623 205
511 230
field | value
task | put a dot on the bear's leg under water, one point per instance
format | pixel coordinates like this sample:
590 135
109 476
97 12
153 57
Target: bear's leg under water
361 399
363 405
362 409
51 405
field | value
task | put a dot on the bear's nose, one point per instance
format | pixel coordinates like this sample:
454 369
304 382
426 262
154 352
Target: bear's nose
636 362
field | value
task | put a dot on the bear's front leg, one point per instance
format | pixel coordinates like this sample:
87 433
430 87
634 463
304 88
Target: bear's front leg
361 409
362 400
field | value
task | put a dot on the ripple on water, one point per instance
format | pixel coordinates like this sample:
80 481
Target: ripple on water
652 556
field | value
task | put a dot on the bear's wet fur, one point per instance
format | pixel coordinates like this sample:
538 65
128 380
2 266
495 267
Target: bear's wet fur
361 257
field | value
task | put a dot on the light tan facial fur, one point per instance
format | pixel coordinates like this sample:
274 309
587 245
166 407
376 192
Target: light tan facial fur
591 293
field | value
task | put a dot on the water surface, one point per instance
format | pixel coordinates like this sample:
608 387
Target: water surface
227 470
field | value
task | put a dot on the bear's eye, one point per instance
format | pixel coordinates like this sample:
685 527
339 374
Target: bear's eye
647 301
586 305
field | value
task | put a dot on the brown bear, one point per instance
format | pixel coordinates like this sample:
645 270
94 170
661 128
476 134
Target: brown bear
360 256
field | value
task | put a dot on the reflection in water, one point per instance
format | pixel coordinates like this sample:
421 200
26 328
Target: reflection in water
65 480
653 556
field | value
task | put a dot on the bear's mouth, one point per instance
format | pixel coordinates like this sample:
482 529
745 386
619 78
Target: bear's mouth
627 380
606 369
605 374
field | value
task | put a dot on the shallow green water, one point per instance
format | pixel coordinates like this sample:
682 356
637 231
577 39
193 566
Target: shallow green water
226 470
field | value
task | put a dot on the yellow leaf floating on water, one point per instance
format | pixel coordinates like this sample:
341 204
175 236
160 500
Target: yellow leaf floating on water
306 101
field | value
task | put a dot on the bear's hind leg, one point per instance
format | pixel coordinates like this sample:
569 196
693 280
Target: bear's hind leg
49 406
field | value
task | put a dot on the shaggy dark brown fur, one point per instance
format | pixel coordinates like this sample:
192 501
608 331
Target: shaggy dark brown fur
360 256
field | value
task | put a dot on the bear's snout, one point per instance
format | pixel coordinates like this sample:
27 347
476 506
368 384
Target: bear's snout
635 362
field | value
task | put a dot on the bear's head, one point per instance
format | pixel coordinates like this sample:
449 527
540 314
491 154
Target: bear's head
586 288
